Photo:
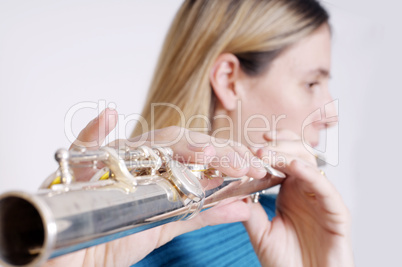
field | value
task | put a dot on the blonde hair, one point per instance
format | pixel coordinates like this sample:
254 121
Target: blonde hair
253 30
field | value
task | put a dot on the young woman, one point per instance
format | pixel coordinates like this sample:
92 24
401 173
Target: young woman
251 72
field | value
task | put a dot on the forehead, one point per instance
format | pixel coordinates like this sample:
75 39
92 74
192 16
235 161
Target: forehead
311 54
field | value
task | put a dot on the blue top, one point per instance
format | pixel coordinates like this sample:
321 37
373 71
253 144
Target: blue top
219 245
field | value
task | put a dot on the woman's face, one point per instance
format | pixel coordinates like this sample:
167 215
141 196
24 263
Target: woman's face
292 94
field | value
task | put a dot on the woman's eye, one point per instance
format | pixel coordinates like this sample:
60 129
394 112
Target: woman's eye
313 85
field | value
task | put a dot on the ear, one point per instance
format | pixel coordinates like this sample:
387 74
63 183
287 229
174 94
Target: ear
223 77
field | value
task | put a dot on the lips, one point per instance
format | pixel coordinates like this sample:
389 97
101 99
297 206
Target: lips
314 144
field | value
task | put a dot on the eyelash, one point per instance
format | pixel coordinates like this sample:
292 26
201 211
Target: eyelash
312 84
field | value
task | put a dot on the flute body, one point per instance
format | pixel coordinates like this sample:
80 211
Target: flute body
67 217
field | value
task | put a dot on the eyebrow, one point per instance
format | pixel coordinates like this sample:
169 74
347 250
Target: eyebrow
321 71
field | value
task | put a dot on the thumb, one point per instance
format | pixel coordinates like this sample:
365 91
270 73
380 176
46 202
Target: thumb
228 211
257 225
94 134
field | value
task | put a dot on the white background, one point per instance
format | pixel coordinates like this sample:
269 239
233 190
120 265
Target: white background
56 54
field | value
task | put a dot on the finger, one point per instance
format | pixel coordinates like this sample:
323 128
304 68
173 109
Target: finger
281 134
75 258
294 148
312 182
94 134
92 137
182 151
231 158
194 147
242 156
280 161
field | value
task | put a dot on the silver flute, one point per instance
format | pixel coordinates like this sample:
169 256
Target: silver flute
129 191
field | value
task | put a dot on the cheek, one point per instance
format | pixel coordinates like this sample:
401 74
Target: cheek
258 115
291 120
296 117
302 119
284 106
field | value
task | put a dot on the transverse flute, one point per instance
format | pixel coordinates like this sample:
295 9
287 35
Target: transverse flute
134 191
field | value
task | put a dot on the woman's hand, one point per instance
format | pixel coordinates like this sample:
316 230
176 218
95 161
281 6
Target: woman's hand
201 149
312 224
